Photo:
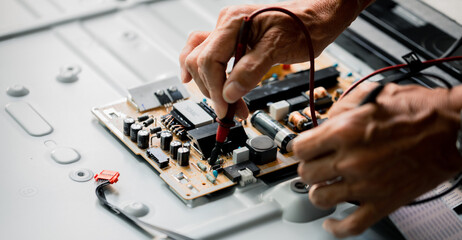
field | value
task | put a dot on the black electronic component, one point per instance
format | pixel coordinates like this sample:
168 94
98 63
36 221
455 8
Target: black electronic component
148 122
232 171
208 109
155 130
174 93
181 120
216 166
203 138
293 84
158 156
323 103
143 118
297 103
268 126
174 146
183 156
187 145
134 128
127 124
338 92
262 149
176 123
162 97
143 139
165 139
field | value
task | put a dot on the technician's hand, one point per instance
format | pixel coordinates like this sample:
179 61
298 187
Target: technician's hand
274 39
387 153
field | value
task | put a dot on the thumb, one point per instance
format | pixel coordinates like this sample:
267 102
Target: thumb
246 74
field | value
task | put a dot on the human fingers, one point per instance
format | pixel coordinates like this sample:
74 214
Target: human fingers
247 73
352 100
192 66
357 222
315 142
319 170
194 39
241 109
337 134
341 190
213 75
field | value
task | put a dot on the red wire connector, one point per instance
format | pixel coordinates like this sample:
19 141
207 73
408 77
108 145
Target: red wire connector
111 176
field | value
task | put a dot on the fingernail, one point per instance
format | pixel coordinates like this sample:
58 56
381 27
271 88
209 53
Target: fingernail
233 91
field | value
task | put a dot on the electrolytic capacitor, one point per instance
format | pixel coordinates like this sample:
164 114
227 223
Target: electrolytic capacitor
281 135
165 139
183 156
187 145
174 149
148 122
134 131
127 124
143 139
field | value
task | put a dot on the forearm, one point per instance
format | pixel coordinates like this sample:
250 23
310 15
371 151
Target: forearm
455 98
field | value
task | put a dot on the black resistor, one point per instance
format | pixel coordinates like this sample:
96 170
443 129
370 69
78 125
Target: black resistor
155 130
143 118
148 122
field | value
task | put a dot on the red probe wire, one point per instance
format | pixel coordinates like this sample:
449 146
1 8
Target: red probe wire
425 64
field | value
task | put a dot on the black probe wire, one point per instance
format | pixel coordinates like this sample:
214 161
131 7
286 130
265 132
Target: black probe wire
442 194
132 220
425 65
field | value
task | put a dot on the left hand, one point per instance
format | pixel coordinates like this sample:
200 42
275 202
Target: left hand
387 153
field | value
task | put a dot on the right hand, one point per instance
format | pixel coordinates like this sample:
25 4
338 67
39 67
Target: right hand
274 39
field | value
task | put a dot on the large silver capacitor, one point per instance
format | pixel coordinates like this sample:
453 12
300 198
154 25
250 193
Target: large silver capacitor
183 156
281 135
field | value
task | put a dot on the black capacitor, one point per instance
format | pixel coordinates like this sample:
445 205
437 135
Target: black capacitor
187 145
165 139
127 124
155 130
148 122
174 146
281 135
143 118
143 139
183 156
134 131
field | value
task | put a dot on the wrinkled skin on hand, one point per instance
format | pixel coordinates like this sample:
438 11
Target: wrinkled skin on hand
387 153
274 39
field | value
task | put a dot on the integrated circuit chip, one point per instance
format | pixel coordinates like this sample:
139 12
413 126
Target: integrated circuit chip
193 113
